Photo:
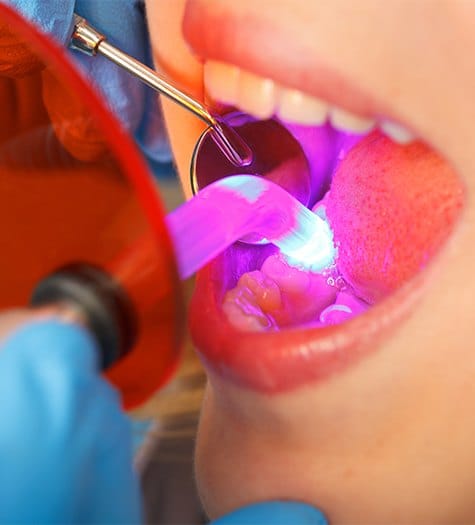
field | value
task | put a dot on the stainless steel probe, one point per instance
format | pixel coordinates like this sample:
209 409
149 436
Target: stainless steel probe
91 42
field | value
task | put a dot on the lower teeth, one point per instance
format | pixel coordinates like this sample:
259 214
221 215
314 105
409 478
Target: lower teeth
281 296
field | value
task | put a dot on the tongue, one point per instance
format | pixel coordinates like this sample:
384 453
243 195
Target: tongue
390 207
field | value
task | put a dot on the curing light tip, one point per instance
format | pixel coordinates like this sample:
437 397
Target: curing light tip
310 245
234 208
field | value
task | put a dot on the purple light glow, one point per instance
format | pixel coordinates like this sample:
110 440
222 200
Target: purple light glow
234 207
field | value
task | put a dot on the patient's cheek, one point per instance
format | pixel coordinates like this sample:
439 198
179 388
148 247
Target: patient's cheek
172 56
391 208
184 130
173 59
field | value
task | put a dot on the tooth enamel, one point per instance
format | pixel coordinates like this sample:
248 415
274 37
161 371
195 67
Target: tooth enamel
256 95
262 98
335 314
396 132
249 304
239 318
221 81
277 295
264 290
288 279
345 121
295 106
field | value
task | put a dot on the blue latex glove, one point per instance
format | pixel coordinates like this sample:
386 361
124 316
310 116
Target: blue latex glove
65 445
124 24
274 513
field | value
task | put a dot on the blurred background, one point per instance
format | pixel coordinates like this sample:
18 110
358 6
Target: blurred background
165 427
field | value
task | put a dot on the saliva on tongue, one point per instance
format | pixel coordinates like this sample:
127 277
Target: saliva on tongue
390 207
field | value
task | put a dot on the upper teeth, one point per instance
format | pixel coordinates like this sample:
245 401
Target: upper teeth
263 98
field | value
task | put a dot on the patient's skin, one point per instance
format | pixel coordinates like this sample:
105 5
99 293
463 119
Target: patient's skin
391 439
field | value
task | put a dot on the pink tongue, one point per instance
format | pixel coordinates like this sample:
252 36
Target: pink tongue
390 207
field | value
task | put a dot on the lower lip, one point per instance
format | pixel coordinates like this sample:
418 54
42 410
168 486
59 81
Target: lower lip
277 362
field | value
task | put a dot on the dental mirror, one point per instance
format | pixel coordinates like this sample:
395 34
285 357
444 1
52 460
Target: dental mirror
235 144
277 156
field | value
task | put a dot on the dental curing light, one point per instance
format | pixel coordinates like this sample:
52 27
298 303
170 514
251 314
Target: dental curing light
310 245
200 229
83 230
243 205
82 226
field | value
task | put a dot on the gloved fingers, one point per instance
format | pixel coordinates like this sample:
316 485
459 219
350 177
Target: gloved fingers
22 107
16 58
115 494
124 26
64 442
274 513
54 363
11 320
46 341
49 370
46 369
28 142
54 17
30 103
128 99
73 123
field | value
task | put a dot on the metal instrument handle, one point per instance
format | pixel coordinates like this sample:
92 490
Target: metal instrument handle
91 42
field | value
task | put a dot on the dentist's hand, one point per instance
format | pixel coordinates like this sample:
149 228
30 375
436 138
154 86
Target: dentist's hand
274 513
65 445
124 24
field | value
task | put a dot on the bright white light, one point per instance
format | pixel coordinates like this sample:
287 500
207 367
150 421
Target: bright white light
311 247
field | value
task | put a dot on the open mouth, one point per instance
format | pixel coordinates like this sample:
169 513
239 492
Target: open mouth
391 202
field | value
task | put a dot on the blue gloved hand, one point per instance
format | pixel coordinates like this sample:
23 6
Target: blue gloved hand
274 513
124 24
65 444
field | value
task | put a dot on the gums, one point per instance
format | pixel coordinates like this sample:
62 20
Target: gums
391 208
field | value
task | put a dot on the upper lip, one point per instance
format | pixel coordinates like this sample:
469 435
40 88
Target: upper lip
220 34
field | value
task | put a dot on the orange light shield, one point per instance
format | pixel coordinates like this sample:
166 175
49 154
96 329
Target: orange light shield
74 188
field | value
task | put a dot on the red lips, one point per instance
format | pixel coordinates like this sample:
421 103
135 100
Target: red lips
391 208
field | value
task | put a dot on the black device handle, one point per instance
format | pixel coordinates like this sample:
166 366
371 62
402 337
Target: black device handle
100 302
